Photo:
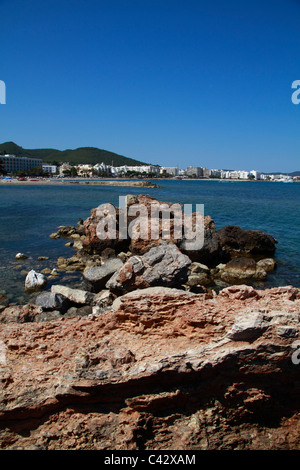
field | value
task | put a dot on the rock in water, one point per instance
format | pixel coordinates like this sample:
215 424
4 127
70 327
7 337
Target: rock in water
235 240
21 256
35 281
241 270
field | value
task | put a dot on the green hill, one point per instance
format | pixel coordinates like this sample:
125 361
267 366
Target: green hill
86 155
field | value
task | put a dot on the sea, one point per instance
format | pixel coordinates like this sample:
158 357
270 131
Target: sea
29 214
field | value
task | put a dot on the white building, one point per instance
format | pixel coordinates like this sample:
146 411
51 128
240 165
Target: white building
137 168
13 164
47 168
169 170
101 167
244 175
214 173
256 174
194 171
84 170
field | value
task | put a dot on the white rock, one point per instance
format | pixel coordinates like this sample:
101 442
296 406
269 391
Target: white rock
35 280
77 296
21 256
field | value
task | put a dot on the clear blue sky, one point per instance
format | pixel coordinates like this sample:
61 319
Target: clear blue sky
171 82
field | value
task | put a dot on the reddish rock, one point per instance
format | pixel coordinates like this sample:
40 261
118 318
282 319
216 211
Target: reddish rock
163 369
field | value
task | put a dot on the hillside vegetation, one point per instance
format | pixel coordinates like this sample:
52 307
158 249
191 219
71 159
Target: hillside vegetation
83 155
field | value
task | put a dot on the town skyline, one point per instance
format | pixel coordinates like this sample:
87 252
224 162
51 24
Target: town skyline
158 81
20 165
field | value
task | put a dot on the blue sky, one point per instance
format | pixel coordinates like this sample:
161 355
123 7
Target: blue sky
169 82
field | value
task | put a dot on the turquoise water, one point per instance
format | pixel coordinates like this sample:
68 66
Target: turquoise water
29 214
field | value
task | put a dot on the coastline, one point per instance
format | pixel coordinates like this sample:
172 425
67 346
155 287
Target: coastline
49 182
134 182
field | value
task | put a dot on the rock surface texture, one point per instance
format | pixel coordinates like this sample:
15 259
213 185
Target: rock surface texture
160 369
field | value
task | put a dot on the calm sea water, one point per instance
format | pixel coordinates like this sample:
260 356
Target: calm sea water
29 214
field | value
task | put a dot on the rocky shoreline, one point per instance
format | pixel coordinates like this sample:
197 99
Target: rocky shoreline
162 348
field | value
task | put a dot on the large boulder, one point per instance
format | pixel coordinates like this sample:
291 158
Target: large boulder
204 249
163 265
235 241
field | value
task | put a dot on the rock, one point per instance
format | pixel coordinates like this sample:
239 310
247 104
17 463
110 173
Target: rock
92 244
104 298
77 296
96 277
64 232
163 370
52 301
198 279
21 256
241 270
48 315
43 258
234 241
199 275
35 281
108 253
242 292
46 271
267 264
287 331
215 247
79 311
20 314
196 268
75 263
3 300
162 265
148 294
209 253
54 235
144 239
248 326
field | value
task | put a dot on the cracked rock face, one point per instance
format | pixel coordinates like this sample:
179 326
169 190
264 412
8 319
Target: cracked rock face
162 265
161 369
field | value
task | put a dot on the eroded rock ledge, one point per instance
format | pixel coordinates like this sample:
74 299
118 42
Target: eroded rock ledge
160 368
